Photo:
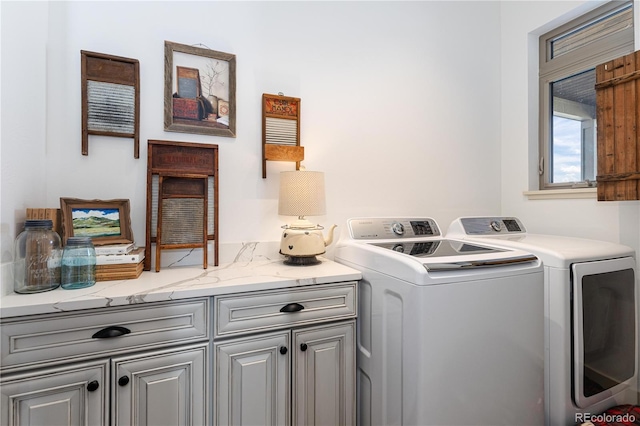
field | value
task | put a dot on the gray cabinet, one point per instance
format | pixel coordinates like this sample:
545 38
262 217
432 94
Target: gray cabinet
324 375
284 356
144 368
160 388
77 395
252 380
53 339
293 361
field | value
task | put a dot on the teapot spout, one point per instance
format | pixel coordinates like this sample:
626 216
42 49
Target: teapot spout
329 238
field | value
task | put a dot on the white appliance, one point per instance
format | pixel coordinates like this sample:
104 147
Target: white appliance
449 332
591 350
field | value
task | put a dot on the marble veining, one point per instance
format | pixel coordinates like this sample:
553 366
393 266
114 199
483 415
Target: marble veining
247 249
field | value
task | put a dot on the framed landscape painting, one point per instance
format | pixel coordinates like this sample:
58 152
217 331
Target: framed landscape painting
104 221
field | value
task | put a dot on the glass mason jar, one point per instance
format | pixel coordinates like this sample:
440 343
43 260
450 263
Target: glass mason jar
78 263
37 251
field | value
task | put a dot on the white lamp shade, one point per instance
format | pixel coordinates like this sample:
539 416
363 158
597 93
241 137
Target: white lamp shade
301 194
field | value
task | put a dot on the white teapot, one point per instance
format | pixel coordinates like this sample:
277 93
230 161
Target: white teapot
302 243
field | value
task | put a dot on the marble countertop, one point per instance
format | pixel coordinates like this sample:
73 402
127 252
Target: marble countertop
178 283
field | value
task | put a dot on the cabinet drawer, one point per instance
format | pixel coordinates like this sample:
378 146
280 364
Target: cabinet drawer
267 310
47 339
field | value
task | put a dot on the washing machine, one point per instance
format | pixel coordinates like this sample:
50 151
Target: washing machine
449 332
591 349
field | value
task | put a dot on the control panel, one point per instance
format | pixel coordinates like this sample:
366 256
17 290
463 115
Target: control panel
492 225
392 228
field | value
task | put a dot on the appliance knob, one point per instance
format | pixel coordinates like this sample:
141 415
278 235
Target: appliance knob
495 225
397 228
399 248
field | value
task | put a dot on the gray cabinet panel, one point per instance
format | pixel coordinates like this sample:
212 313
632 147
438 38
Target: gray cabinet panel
252 381
161 388
76 395
263 311
262 380
61 338
324 375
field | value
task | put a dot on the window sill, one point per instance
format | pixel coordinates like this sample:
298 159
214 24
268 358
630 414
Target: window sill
556 194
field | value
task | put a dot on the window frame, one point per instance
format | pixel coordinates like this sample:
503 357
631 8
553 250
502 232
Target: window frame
568 64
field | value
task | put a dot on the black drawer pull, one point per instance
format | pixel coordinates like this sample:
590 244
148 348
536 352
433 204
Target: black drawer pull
123 381
113 331
292 307
93 386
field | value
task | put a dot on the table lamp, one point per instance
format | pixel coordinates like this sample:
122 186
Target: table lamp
302 194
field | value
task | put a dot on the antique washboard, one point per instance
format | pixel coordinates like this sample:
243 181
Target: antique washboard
280 130
110 98
182 198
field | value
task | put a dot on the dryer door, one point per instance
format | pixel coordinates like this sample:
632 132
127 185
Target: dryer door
604 329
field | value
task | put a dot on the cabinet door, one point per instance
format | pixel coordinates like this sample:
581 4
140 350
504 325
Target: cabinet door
252 380
324 375
161 388
64 396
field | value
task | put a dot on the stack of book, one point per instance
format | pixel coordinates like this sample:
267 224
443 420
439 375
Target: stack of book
119 261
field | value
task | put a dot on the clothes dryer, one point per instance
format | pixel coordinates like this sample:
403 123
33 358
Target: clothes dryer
591 317
449 332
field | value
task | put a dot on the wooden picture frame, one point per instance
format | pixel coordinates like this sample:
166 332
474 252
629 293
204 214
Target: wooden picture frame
104 221
200 90
110 98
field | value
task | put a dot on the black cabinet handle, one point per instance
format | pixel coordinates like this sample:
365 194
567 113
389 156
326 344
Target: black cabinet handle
109 332
292 307
283 350
123 381
93 386
303 347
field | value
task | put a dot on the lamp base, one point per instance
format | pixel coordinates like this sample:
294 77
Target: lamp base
301 260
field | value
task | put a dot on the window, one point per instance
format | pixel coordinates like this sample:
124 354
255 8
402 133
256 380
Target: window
568 57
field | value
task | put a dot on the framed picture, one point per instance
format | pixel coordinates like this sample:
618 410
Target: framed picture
104 221
199 91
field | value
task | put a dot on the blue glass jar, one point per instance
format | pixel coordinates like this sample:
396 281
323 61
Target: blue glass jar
78 263
36 263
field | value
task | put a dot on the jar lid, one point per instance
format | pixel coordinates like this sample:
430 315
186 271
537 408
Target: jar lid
38 224
79 241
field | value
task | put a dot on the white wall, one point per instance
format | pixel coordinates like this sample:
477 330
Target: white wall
400 105
23 129
521 23
416 108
